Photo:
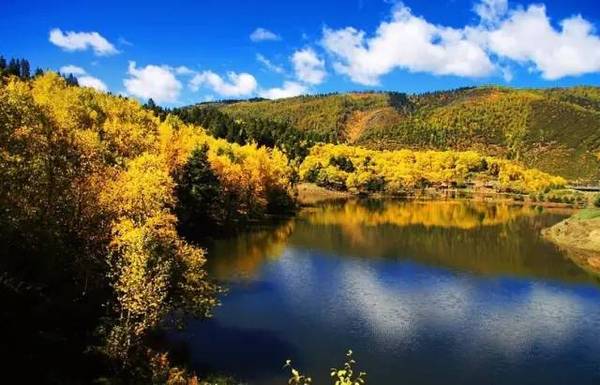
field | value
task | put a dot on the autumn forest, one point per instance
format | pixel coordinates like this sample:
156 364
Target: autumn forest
105 203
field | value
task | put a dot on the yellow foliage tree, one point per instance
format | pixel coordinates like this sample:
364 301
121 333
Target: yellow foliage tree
395 172
93 176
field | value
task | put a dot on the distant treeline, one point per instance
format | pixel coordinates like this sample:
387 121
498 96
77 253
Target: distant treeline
556 130
21 68
264 132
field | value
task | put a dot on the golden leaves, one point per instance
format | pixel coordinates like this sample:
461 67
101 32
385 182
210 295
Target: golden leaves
405 170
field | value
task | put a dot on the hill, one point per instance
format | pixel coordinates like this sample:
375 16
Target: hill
555 130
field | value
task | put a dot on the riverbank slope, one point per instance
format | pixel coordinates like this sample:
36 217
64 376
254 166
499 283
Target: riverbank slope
579 236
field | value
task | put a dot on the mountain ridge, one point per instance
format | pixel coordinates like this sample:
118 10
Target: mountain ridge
554 129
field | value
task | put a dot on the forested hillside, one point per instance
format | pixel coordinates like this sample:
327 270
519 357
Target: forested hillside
555 130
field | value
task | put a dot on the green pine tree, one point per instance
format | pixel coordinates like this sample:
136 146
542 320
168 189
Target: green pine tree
24 69
199 194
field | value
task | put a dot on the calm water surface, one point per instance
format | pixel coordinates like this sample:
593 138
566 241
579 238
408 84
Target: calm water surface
423 292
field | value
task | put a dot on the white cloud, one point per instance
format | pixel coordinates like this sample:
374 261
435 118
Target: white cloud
71 69
183 70
406 42
520 35
491 11
156 82
262 34
90 81
288 90
308 67
269 65
527 36
83 78
80 41
241 84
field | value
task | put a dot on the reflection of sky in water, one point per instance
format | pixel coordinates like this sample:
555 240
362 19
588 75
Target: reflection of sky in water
397 303
431 324
404 320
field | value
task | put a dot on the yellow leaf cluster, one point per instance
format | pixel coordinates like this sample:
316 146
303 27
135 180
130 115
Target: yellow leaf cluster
101 170
395 172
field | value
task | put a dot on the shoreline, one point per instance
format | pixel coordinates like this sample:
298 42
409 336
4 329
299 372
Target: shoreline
310 194
579 237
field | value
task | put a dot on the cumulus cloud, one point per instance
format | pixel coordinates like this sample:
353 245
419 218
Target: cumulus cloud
308 67
71 69
90 81
81 41
407 42
262 34
241 84
269 65
288 90
527 37
521 36
151 81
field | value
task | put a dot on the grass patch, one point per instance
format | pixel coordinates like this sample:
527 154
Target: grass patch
587 214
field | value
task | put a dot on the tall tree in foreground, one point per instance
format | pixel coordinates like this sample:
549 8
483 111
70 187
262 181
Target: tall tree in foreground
198 193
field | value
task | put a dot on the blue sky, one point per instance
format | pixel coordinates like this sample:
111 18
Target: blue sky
183 52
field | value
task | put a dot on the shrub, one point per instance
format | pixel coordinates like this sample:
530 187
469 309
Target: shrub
346 375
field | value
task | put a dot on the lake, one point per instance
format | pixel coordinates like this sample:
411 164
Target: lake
439 292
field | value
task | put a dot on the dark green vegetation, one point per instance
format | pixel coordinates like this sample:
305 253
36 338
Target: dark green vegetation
22 69
554 130
199 194
260 130
15 67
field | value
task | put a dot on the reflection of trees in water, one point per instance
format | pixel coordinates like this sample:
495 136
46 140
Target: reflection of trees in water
244 254
497 239
447 214
491 239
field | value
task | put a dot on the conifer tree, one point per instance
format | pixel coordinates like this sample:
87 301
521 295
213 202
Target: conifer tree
24 69
72 80
198 193
150 104
13 68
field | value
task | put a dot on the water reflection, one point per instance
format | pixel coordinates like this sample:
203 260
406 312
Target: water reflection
479 298
479 237
242 256
446 214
